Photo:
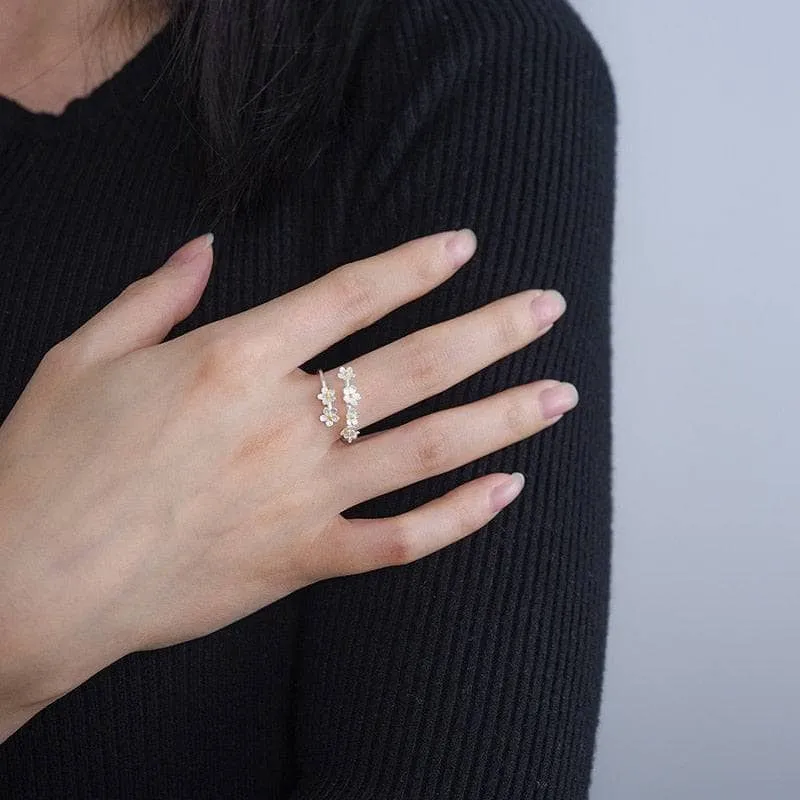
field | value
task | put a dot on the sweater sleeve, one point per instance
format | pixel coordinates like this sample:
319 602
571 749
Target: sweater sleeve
476 672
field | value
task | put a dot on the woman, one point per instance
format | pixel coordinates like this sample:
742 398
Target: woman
207 590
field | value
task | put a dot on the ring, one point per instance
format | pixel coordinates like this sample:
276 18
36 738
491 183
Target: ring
328 396
351 396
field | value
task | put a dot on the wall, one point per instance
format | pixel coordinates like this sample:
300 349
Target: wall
701 700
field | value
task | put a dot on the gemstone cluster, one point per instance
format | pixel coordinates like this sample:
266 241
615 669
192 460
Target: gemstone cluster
328 396
351 397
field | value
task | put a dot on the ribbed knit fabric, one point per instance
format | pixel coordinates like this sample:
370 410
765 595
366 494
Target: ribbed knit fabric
475 672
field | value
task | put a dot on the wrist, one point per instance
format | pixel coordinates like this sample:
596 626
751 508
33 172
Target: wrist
30 678
11 720
30 663
26 687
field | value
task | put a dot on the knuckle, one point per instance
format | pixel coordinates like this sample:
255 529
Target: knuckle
430 448
221 361
236 352
148 292
507 328
427 263
426 366
464 518
139 290
353 295
246 356
64 356
422 261
517 416
401 545
216 357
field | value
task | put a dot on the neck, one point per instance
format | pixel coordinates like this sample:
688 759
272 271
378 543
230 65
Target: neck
52 51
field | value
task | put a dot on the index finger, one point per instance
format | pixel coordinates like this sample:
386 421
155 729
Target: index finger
311 318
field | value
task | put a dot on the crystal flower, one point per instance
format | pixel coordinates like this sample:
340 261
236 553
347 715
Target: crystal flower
327 395
329 416
349 434
351 395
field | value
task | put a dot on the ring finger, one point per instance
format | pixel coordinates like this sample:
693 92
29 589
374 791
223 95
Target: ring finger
387 460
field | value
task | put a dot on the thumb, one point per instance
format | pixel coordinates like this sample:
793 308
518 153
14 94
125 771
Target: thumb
149 308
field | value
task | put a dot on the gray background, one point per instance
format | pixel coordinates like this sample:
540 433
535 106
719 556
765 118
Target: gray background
701 700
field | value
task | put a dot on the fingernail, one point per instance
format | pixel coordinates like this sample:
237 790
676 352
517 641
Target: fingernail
192 249
503 494
558 400
461 246
548 307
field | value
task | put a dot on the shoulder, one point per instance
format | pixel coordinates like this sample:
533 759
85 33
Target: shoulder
423 29
479 17
429 48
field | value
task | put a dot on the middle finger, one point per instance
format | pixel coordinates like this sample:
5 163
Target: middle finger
430 360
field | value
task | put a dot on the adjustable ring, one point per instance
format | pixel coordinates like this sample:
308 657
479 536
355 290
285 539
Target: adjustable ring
351 396
328 396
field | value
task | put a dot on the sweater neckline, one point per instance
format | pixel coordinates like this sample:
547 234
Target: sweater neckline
129 88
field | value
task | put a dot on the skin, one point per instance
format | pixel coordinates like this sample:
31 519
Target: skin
137 515
52 51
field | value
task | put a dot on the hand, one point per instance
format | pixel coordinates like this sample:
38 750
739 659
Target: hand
154 492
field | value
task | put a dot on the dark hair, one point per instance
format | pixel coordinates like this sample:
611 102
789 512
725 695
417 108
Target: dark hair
263 82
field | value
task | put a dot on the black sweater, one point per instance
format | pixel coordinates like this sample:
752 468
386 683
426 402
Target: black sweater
475 672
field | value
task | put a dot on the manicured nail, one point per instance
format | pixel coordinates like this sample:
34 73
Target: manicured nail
548 307
461 246
192 249
503 494
558 400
